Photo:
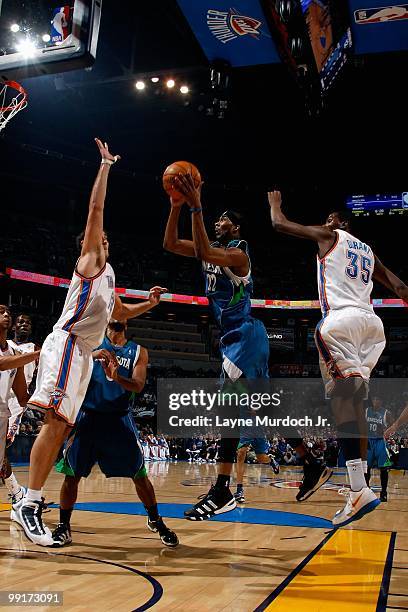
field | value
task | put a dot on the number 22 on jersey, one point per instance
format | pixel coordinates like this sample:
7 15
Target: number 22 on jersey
211 283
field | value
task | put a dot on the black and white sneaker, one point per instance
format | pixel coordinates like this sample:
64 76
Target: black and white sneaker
275 466
167 536
216 501
28 514
239 497
314 476
62 535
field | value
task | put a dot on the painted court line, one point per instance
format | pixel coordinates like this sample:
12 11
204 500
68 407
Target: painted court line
254 516
347 572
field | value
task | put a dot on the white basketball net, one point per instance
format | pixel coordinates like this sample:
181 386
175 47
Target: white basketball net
13 99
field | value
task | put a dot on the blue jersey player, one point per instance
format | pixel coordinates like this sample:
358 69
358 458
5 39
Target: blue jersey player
378 419
244 342
105 433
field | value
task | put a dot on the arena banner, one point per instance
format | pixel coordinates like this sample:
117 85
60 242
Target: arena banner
194 300
232 31
378 26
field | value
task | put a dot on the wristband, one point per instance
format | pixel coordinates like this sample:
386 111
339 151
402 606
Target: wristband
109 162
195 210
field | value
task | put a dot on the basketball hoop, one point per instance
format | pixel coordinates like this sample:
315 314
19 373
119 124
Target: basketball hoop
13 98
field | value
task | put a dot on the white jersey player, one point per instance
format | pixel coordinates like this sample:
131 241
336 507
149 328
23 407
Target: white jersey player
11 376
21 344
65 365
350 337
66 357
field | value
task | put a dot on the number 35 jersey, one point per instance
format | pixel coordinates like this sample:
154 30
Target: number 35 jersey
88 306
344 274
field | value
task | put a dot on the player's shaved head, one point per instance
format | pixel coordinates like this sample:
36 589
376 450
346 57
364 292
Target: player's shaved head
339 219
22 326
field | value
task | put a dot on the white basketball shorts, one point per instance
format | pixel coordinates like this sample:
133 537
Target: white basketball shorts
64 372
350 342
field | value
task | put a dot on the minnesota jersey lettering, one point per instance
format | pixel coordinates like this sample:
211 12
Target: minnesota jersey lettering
228 294
104 395
344 274
88 306
376 420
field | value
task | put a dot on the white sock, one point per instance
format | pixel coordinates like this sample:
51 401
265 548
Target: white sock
33 495
356 474
12 484
365 467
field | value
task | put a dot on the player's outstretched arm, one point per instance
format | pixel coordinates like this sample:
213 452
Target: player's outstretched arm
384 276
10 362
123 312
234 258
171 240
324 236
20 387
93 258
402 419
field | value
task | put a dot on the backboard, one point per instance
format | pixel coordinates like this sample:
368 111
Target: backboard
40 37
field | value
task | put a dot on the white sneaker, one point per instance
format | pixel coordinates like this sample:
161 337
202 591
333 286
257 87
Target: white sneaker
358 504
28 515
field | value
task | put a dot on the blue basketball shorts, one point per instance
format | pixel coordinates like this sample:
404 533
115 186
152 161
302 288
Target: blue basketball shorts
245 350
109 439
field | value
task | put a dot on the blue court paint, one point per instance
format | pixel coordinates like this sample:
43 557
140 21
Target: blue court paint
253 516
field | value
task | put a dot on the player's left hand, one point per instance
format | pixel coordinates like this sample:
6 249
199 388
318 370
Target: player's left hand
184 183
102 355
111 368
275 198
104 151
155 293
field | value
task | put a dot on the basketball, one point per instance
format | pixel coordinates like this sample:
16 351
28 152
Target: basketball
179 167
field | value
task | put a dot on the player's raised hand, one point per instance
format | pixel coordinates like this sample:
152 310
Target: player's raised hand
275 198
155 293
104 151
184 183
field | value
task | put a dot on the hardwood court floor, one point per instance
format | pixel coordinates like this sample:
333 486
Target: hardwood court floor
274 554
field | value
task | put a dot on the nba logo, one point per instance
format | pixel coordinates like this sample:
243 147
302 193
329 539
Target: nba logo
60 24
